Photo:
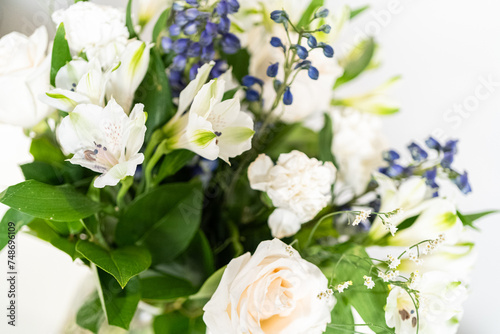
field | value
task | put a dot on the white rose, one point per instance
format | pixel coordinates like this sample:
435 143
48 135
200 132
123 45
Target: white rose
274 291
99 31
358 143
440 300
24 74
297 185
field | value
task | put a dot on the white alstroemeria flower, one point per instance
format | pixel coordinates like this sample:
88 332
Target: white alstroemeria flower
440 310
211 128
145 13
104 140
99 31
272 291
410 197
358 144
77 82
298 186
24 74
125 79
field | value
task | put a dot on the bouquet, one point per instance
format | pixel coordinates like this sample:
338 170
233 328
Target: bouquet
203 160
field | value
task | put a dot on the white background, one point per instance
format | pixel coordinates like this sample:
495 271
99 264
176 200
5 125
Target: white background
443 49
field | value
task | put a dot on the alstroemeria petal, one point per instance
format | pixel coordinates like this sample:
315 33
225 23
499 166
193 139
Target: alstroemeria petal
188 94
236 138
64 100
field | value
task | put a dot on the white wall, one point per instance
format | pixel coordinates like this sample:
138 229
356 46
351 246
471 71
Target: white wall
443 49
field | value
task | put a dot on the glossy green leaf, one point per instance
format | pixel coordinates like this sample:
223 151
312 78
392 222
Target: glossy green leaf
308 13
208 288
42 172
239 62
154 93
128 20
468 220
173 162
161 286
122 263
164 220
58 203
176 323
120 304
355 12
60 53
20 219
43 231
91 315
45 150
160 25
342 318
325 141
356 61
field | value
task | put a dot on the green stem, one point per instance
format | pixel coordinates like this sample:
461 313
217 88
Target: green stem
126 184
309 239
159 153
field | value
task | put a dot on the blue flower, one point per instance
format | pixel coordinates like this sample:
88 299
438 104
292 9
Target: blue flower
166 44
321 12
279 16
194 50
179 62
287 97
193 3
177 7
447 160
181 19
191 28
191 14
390 156
230 43
233 6
180 45
394 170
303 64
430 177
249 81
325 28
174 30
252 95
276 42
224 24
313 73
222 8
207 53
205 38
277 84
417 153
433 144
272 70
301 51
451 146
327 50
193 71
312 42
462 182
219 68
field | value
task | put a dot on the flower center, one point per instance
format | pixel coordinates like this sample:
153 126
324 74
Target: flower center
101 156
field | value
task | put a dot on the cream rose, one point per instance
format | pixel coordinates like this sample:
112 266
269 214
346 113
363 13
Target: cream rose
24 74
274 291
298 186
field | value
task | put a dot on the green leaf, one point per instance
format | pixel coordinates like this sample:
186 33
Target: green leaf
45 150
239 62
42 172
58 203
165 220
91 315
154 93
60 53
160 25
342 319
293 137
325 141
173 162
308 13
230 94
128 20
356 61
352 264
357 11
468 220
20 219
123 263
119 304
159 286
176 322
43 231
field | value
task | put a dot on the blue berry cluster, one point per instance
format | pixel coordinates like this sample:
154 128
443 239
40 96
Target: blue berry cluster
421 166
196 33
297 50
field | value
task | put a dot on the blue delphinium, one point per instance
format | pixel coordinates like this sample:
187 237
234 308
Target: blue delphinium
428 168
197 33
